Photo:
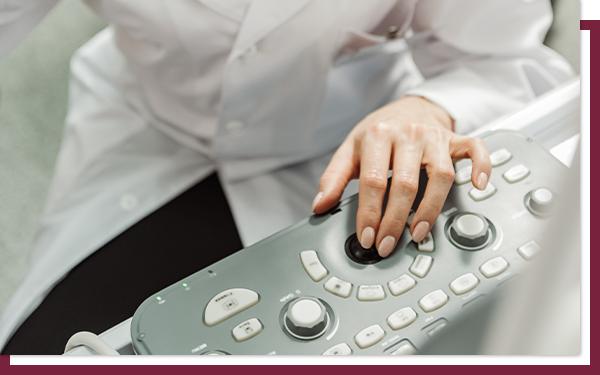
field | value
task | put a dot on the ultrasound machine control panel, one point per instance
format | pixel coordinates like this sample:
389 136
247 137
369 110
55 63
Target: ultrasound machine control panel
312 289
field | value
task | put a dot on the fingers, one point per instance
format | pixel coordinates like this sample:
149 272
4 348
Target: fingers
476 150
440 171
339 172
405 183
376 151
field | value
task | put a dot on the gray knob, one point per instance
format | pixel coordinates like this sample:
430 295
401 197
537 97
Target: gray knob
470 230
306 318
542 201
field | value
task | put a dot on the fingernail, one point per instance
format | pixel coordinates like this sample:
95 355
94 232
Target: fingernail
482 181
367 238
317 200
420 231
386 246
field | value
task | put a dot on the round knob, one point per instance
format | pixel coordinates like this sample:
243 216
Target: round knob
306 318
359 254
542 201
470 230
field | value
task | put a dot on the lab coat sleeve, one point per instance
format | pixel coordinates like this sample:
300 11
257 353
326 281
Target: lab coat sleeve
483 59
17 18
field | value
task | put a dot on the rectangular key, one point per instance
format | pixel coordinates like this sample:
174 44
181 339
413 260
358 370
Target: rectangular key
421 265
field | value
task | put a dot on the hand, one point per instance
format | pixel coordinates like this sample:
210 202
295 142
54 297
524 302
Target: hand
403 136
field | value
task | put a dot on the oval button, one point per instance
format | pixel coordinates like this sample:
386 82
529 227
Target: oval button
227 304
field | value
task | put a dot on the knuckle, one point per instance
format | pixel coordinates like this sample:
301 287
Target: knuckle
407 185
369 214
374 181
379 128
444 174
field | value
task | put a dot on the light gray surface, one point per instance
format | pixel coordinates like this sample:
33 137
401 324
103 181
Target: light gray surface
169 322
33 97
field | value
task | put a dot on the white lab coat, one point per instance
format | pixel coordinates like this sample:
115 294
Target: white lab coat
300 74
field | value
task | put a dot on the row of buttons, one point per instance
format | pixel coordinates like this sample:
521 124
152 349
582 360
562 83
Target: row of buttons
420 267
498 158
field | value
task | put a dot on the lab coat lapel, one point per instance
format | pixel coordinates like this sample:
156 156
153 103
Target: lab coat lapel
262 18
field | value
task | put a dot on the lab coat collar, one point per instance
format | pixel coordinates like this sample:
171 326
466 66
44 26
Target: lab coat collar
262 17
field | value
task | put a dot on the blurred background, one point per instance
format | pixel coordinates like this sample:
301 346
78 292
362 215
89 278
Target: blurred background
33 105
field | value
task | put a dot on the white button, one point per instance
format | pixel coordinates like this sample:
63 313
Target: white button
247 330
463 176
402 318
516 173
312 265
234 126
500 157
493 267
128 202
403 349
421 265
464 283
339 349
338 287
427 244
529 250
401 285
227 304
470 225
433 301
252 51
369 336
411 215
479 195
542 196
370 293
306 312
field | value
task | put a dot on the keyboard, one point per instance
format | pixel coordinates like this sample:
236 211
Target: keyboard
311 289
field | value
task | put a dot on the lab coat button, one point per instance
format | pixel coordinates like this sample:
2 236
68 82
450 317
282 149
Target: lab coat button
252 51
234 126
128 202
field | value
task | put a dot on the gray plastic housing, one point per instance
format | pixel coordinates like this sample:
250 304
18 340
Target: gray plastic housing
272 268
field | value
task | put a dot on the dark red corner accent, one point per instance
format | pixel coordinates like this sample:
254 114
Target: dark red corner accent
589 24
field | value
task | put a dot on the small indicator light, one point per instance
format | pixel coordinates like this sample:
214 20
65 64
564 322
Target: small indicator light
184 284
158 298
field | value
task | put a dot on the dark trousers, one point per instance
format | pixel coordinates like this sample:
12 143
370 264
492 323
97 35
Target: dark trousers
186 235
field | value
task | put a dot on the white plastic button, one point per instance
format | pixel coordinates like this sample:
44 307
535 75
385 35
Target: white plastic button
479 195
427 245
403 349
500 157
234 126
529 250
493 267
421 265
128 202
464 283
516 173
369 336
247 330
338 287
401 285
339 349
370 293
470 225
306 312
433 301
227 304
463 175
402 318
312 265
